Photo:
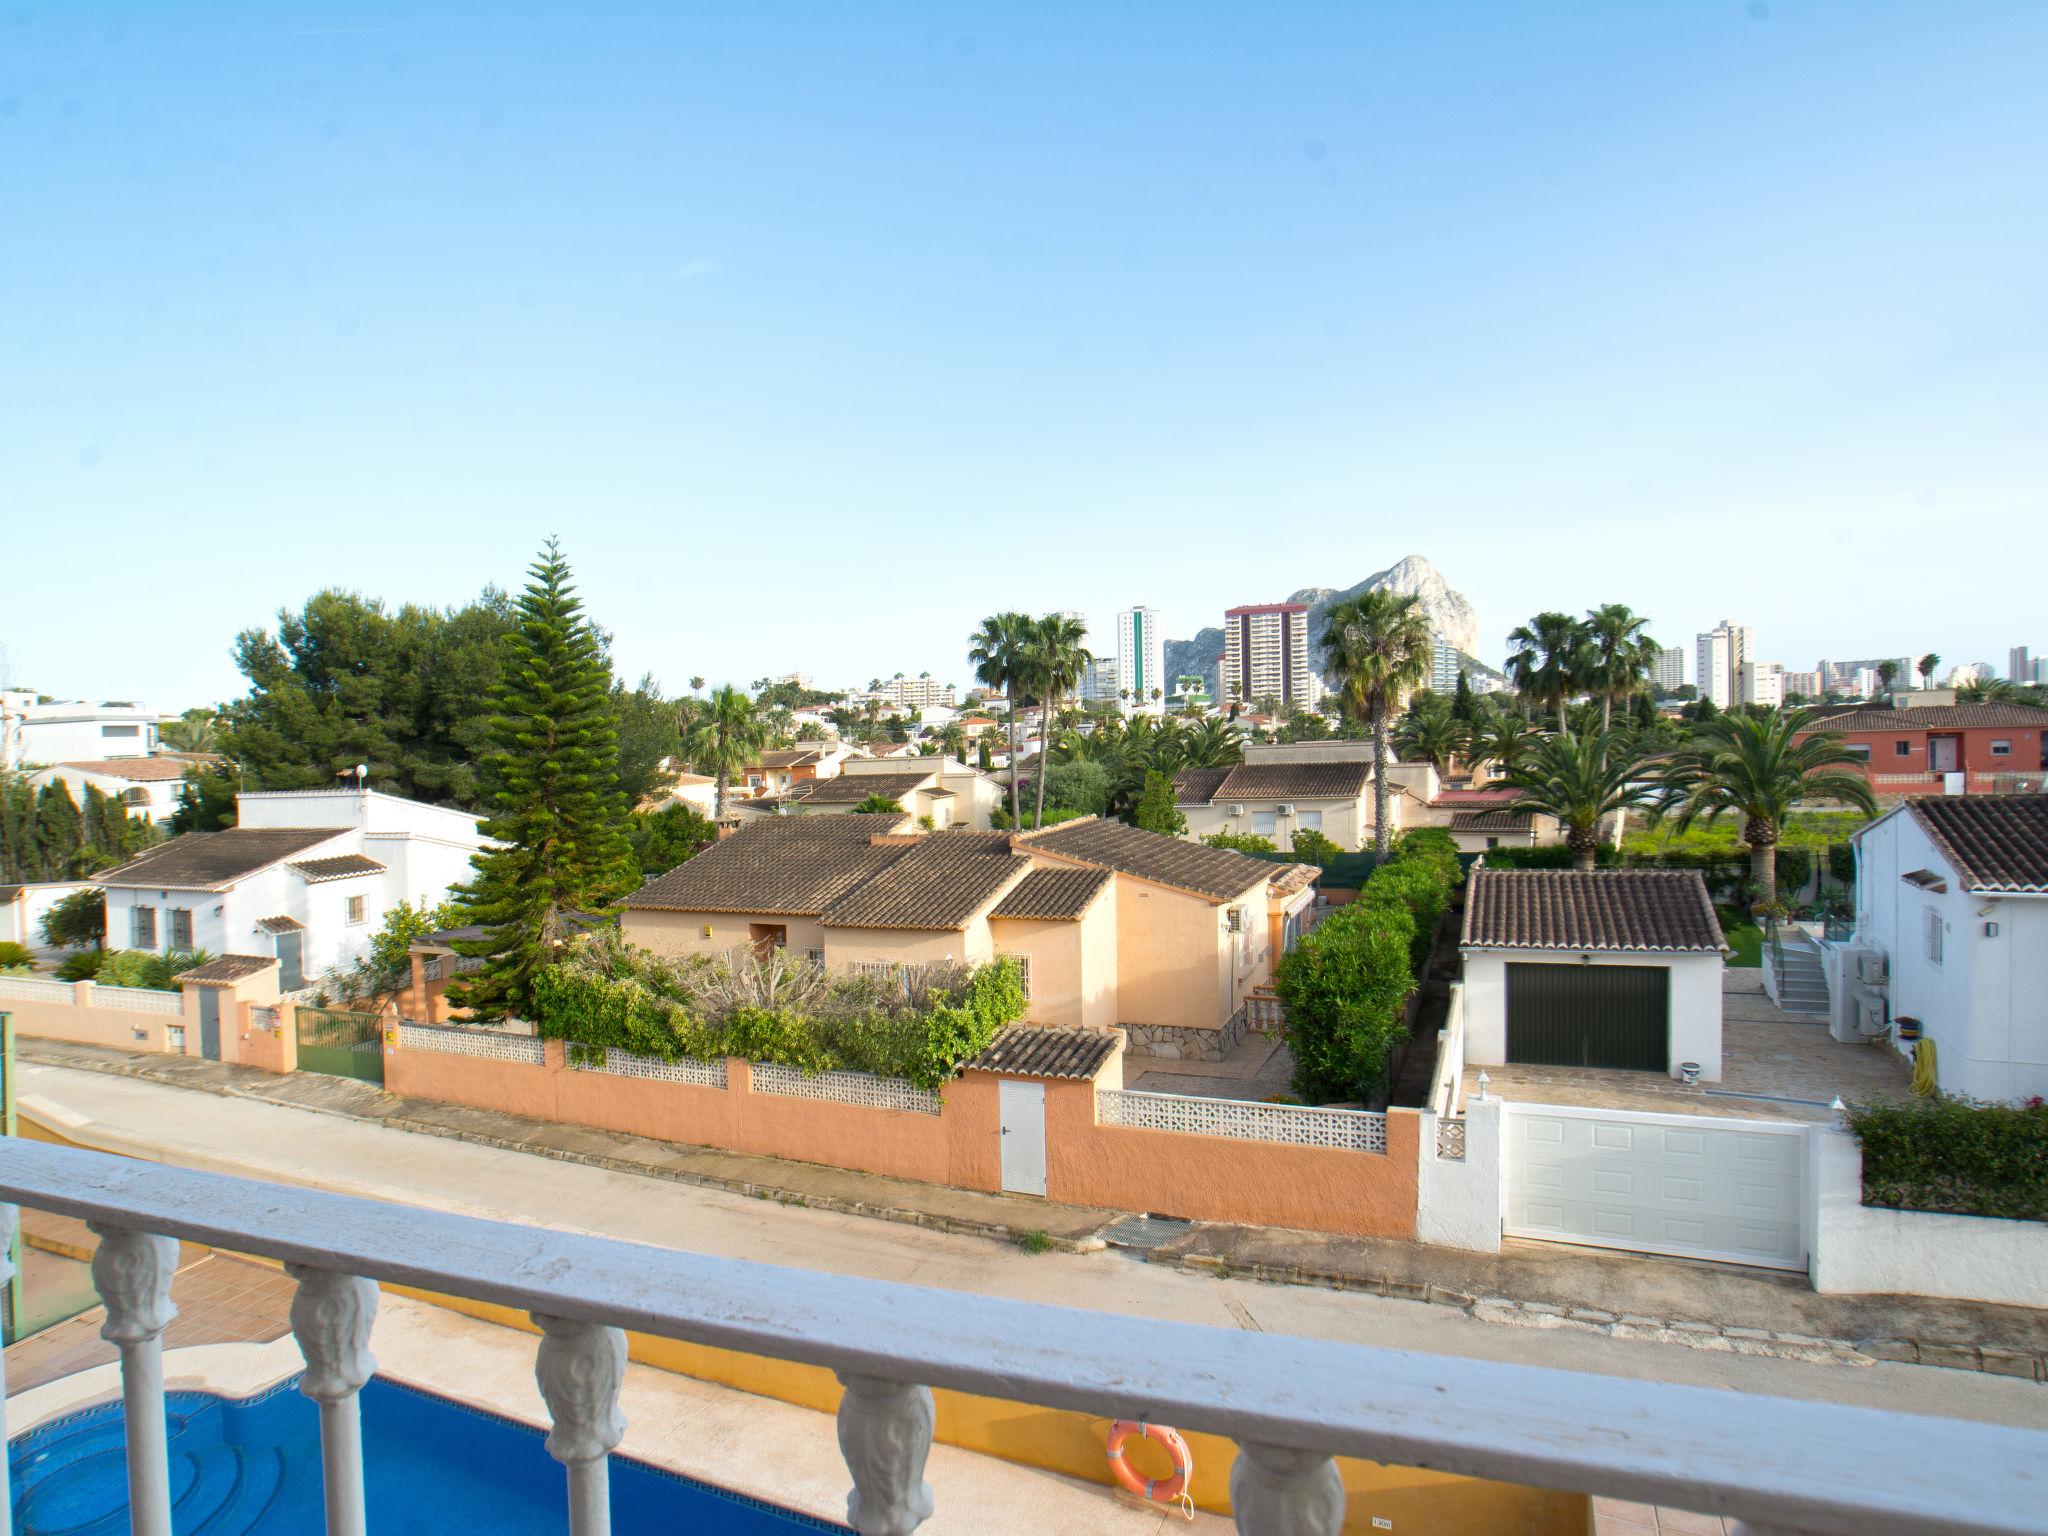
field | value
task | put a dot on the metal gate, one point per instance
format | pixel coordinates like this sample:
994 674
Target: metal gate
341 1043
1590 1016
1698 1186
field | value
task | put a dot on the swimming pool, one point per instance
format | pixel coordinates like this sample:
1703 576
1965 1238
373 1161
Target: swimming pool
431 1466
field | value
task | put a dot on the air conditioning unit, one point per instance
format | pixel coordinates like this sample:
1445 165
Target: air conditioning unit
1872 1020
1233 920
1283 810
1870 969
1237 810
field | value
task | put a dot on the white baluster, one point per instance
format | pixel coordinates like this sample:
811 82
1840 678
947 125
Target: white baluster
1276 1491
581 1367
132 1272
332 1315
885 1434
7 1219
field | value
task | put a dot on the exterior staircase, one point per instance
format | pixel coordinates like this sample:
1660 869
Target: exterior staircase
1801 985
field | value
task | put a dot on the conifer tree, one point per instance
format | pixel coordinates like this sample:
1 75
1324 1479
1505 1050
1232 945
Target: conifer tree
59 829
551 772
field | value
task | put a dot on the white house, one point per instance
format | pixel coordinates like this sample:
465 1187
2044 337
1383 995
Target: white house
23 908
942 788
33 733
1953 894
306 875
1614 968
147 786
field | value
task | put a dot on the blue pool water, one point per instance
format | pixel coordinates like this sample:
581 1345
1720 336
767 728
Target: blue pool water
431 1467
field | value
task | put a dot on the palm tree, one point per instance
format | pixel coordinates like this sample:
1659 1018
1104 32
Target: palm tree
1758 767
1581 780
1377 646
1978 690
1058 662
1502 738
1210 742
1430 732
1887 674
1551 660
951 740
725 735
696 685
1000 651
194 731
1621 655
1927 665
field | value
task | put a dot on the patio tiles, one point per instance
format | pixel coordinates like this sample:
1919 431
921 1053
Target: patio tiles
1259 1069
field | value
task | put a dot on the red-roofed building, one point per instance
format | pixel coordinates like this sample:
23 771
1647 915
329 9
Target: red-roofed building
1913 749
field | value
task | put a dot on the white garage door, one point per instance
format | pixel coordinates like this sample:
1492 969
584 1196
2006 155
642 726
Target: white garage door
1700 1187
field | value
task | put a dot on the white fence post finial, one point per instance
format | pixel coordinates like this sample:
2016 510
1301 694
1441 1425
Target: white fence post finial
332 1315
580 1368
132 1272
1278 1491
885 1434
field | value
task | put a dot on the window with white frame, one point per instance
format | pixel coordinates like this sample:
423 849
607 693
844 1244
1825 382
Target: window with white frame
2001 747
1265 823
358 911
1024 971
1934 935
142 927
1308 821
181 927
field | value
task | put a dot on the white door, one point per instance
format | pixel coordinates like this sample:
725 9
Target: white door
1021 1108
1693 1185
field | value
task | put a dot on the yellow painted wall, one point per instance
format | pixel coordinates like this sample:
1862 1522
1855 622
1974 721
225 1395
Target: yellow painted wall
682 933
903 946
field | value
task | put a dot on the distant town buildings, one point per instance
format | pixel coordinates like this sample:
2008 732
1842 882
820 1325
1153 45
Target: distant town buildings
1141 659
1720 653
1804 685
1669 672
1266 655
2019 666
35 733
920 692
1446 661
1098 680
1762 682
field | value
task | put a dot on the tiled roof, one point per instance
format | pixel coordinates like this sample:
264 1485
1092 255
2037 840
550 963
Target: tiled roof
1344 779
1609 909
793 757
1053 893
1217 873
1476 797
791 865
1293 877
852 788
340 867
1996 842
1938 717
1022 1051
207 860
280 924
1197 786
1489 821
136 770
9 892
938 882
227 969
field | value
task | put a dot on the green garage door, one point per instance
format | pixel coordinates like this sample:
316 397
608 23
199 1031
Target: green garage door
1590 1016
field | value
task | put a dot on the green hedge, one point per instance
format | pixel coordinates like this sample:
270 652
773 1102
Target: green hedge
924 1046
1955 1156
1345 987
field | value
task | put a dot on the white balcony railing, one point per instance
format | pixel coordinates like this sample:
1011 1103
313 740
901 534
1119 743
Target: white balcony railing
1815 1469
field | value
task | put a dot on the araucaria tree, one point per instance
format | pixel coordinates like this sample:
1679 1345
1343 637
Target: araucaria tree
1377 647
1758 767
556 815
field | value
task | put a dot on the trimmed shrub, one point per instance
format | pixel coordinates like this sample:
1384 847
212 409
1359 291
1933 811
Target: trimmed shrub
1311 847
1842 862
1343 988
1955 1156
1242 842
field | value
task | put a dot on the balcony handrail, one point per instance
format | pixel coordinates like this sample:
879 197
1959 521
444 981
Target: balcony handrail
1785 1466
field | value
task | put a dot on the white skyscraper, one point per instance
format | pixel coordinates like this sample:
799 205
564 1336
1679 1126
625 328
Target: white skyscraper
1266 657
1763 682
1445 663
2018 666
1721 651
1141 660
1669 673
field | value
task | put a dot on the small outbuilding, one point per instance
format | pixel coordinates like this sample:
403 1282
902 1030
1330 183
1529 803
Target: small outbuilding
1616 969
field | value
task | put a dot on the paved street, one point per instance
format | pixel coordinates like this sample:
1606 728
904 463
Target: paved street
238 1136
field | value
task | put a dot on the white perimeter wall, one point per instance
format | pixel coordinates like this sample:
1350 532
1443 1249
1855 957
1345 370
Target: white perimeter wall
1860 1248
1695 1033
1458 1202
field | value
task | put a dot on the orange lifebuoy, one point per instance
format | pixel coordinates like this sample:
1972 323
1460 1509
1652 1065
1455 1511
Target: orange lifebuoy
1164 1489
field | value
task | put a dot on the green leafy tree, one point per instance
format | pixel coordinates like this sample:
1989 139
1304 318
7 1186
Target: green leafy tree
1081 785
1887 674
1343 988
1241 842
1757 769
726 735
1927 666
388 967
206 802
1001 652
60 829
1431 732
667 837
557 817
1156 811
1581 780
197 730
649 736
1312 847
1377 646
1552 660
74 921
1620 656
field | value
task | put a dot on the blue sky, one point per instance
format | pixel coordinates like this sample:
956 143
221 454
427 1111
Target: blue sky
817 331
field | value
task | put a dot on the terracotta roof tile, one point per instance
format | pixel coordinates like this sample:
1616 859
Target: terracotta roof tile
939 882
790 865
1197 786
1489 821
1022 1051
227 970
1345 779
1609 909
852 788
1996 842
280 924
1937 717
209 860
136 770
1217 873
1061 893
340 867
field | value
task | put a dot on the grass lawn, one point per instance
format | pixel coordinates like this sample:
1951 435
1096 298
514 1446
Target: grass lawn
1745 940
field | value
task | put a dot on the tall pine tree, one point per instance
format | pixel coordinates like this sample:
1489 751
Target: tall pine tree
551 772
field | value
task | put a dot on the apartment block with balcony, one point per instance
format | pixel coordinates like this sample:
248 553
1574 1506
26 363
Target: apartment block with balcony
1267 655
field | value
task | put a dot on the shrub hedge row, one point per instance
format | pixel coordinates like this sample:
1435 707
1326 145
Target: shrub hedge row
1956 1156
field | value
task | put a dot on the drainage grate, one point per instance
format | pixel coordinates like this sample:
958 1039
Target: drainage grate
1145 1233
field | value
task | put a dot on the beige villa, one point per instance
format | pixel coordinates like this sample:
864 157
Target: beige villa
936 792
1114 927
